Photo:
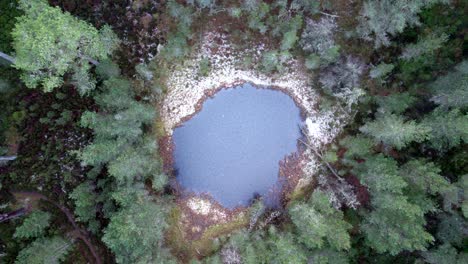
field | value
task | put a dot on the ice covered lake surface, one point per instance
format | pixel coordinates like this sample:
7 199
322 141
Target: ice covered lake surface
231 149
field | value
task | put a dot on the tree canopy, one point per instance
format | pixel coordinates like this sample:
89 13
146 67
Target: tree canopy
49 43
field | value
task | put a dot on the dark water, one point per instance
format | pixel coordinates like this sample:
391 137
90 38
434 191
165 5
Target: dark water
232 147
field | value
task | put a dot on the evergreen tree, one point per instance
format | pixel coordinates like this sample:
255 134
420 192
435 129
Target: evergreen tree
33 226
328 256
445 254
135 233
50 43
448 129
451 90
393 130
381 71
119 137
396 103
86 201
382 19
45 250
317 221
283 248
318 38
395 223
425 45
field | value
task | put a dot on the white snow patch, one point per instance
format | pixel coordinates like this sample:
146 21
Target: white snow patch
205 207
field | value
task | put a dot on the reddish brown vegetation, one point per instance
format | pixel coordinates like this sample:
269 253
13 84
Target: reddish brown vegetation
362 194
291 171
166 151
195 224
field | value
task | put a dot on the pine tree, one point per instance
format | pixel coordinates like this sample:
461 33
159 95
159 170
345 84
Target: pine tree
45 250
396 103
445 254
448 129
395 223
451 90
452 228
425 45
33 226
382 19
317 221
424 177
50 43
328 256
119 137
381 71
318 38
283 249
395 131
135 233
86 201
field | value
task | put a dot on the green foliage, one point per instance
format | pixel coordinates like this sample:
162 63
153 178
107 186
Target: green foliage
134 162
184 14
381 71
124 121
235 12
395 103
425 176
205 67
33 226
330 156
135 233
144 72
177 46
257 13
50 43
119 137
270 61
434 20
283 249
312 62
290 29
424 180
270 246
452 229
273 60
380 174
328 256
107 69
289 39
306 5
357 146
203 3
445 254
451 90
395 223
394 131
318 38
317 221
86 200
448 129
382 19
44 250
425 45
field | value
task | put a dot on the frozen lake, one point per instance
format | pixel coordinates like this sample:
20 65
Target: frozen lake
231 149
